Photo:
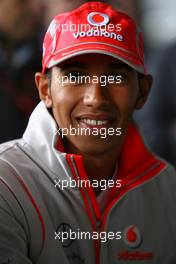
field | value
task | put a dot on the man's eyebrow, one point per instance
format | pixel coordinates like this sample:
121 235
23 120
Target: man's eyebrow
74 65
116 66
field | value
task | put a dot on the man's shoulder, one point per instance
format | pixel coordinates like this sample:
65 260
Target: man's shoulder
165 181
12 153
169 173
9 146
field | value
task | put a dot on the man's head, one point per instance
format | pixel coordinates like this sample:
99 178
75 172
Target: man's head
106 46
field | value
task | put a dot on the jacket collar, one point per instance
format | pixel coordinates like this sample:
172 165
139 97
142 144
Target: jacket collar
41 137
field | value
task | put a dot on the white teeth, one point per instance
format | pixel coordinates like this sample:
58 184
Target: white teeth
95 122
101 122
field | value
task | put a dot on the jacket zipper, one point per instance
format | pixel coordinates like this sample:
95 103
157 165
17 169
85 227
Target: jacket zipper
95 225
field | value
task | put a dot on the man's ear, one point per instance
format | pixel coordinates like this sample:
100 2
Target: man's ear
43 85
145 83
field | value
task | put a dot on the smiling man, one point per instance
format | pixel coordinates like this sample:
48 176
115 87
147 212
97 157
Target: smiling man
81 186
88 104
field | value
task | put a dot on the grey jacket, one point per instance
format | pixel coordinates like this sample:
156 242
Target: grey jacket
34 212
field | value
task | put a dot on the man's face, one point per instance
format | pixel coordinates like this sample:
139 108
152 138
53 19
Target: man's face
94 105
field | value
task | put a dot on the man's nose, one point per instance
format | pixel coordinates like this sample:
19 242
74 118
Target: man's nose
96 95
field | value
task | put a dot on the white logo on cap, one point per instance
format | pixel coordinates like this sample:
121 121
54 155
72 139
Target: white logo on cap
98 19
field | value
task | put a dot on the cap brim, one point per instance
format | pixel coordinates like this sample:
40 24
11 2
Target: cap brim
99 48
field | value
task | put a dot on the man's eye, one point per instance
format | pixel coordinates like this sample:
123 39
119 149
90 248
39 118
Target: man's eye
117 78
76 77
73 74
119 75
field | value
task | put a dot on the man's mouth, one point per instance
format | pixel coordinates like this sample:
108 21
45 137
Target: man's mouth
95 122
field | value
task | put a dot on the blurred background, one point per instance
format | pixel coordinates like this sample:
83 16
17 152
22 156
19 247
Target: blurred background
22 26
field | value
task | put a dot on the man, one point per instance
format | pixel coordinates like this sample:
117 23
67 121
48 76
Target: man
81 186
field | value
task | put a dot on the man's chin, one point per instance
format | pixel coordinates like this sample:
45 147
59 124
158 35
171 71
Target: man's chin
96 147
92 145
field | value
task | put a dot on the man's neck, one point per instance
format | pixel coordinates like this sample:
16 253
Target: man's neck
98 167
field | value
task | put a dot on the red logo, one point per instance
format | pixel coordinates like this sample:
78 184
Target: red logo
132 236
137 255
98 19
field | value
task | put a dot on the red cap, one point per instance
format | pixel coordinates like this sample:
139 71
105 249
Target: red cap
94 27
